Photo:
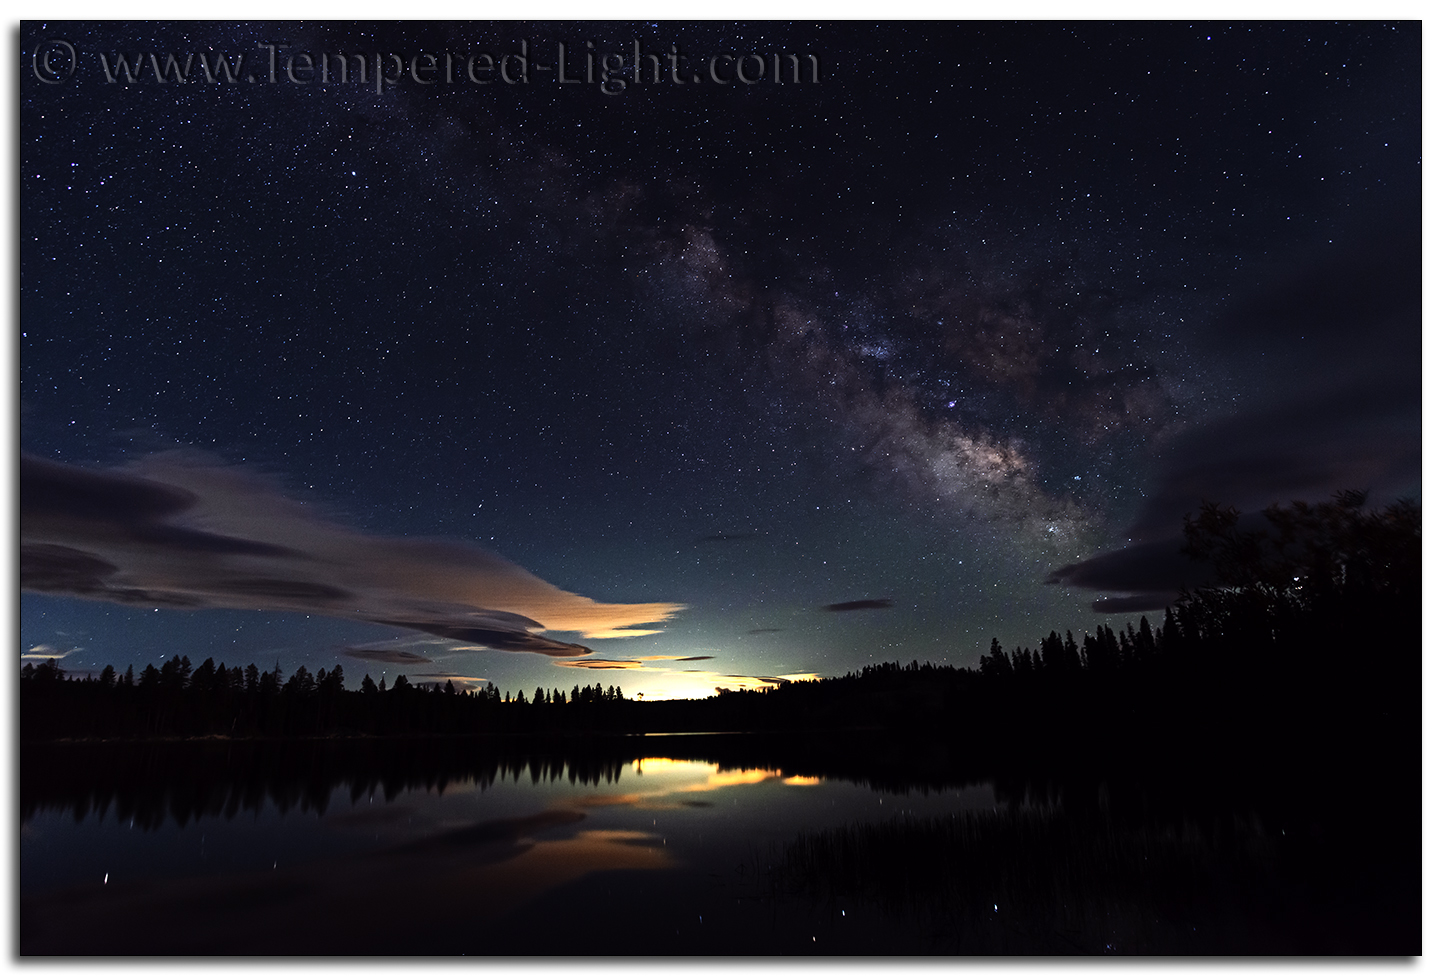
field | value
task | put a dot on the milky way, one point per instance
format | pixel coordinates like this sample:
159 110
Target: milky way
651 383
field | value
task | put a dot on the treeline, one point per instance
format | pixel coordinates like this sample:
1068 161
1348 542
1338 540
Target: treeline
150 781
178 700
145 783
213 699
1307 644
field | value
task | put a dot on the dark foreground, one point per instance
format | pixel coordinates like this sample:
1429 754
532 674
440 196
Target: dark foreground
733 844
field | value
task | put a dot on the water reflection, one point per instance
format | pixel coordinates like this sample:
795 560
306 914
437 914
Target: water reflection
383 901
718 845
152 784
681 776
186 847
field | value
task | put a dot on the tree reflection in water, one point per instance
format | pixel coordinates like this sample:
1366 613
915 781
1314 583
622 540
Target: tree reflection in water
1078 864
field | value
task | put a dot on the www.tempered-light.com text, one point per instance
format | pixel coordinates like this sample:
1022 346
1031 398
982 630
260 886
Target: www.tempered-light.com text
273 63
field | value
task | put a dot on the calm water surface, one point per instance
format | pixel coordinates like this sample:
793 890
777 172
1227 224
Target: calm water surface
534 861
727 844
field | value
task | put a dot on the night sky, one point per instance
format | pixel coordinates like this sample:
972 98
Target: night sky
687 386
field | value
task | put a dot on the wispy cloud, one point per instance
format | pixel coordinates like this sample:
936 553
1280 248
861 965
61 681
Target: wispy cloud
44 652
683 682
602 664
179 530
386 656
461 681
754 682
857 605
1132 604
781 679
644 663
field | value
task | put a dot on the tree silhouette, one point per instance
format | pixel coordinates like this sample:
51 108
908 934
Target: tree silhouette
204 676
1308 556
333 681
1311 630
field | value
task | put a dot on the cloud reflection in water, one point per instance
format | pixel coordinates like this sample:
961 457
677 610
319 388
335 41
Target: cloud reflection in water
677 777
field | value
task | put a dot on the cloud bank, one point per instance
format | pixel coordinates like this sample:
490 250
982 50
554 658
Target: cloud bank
179 530
1340 332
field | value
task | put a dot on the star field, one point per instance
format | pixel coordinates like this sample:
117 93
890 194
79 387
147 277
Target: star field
984 303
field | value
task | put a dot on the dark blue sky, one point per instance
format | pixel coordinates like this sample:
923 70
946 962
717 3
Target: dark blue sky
461 380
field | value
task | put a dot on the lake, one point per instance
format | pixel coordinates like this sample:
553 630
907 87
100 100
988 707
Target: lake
635 845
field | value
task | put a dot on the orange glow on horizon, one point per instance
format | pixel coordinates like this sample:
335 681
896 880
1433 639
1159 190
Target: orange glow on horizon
676 685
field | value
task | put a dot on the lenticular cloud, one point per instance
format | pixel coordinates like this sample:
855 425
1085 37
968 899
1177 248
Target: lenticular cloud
177 530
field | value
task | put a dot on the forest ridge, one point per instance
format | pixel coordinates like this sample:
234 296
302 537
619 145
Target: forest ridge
1313 618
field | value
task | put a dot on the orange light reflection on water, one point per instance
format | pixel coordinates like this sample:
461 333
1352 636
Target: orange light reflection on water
674 777
548 864
733 777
